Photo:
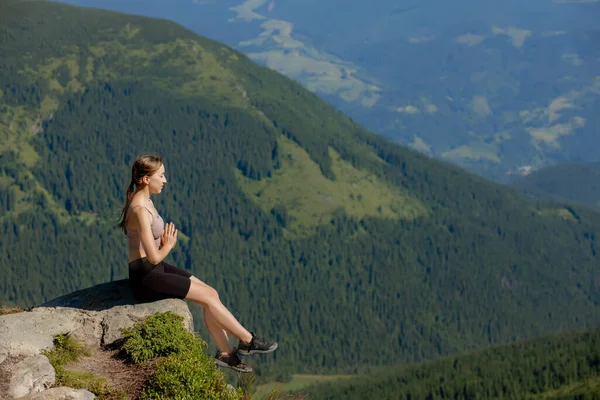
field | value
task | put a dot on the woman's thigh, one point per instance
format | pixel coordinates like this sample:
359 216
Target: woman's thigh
198 280
164 280
171 269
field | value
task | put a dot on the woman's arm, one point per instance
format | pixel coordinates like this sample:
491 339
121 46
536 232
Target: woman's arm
153 254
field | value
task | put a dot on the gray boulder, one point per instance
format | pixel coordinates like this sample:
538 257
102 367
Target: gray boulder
61 393
94 316
32 375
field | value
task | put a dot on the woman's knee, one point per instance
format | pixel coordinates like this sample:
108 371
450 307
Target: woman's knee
203 293
213 293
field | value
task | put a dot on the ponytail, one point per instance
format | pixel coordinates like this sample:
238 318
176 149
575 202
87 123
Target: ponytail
143 166
128 198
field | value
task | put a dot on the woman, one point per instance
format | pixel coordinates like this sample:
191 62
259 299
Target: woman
150 278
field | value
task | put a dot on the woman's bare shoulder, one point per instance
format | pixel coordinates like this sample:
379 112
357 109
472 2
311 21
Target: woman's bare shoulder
137 202
139 210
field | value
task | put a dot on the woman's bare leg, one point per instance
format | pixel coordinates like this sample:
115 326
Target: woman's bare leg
216 330
208 298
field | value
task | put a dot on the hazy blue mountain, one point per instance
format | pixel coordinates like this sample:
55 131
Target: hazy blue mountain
489 85
575 182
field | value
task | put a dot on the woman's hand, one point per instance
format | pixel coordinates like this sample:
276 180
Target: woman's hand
169 236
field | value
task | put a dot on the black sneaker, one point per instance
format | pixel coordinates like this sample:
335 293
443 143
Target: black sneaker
256 346
231 361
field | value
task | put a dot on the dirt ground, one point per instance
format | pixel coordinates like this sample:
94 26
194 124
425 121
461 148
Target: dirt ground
129 378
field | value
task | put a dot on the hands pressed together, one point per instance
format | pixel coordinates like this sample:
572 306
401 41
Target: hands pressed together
169 236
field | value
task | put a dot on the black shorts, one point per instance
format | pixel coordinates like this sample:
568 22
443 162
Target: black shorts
151 282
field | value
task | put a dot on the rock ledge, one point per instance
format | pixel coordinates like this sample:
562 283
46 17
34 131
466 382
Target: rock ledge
95 316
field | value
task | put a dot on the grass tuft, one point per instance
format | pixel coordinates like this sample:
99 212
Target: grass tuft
4 310
68 350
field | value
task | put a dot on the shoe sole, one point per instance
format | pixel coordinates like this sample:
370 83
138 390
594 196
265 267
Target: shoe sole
247 353
225 365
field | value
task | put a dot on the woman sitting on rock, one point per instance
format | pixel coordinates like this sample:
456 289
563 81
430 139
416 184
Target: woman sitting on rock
150 278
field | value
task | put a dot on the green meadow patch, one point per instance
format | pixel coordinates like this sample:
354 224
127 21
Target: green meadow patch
297 383
199 72
558 212
302 198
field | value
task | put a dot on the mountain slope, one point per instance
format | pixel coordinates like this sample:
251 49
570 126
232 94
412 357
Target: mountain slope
555 367
340 245
485 84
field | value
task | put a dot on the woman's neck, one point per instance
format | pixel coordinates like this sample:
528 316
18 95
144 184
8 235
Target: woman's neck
144 193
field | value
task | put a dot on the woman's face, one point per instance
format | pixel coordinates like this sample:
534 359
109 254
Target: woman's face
157 180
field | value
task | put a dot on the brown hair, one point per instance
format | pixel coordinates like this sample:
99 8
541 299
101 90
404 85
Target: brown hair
143 166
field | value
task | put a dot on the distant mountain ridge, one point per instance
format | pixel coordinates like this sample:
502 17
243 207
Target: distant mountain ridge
575 182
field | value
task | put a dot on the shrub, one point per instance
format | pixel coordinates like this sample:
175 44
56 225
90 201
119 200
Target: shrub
189 376
184 372
160 335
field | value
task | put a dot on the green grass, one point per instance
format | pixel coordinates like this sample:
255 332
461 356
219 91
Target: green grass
297 383
558 212
5 310
66 351
129 32
88 218
93 383
15 126
199 72
309 199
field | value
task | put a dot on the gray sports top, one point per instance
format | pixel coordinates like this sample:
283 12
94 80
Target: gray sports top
157 225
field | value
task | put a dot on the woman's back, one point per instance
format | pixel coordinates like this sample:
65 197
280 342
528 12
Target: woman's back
134 238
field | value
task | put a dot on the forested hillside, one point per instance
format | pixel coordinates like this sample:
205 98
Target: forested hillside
557 367
349 250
